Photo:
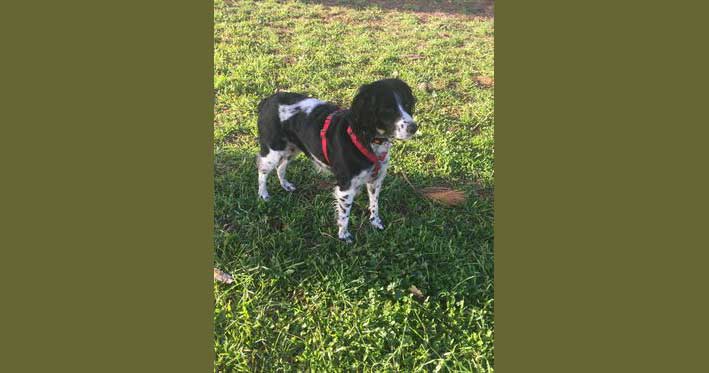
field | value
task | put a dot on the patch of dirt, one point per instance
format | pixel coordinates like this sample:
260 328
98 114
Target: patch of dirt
289 60
425 86
485 81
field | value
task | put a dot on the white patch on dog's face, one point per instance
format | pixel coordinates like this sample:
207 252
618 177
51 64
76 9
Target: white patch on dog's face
306 106
404 127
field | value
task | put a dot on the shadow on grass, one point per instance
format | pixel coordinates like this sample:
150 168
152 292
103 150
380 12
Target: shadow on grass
433 247
482 8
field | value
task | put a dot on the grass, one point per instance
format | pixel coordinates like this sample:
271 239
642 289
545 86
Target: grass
301 300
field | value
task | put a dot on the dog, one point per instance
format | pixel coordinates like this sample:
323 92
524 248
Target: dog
352 144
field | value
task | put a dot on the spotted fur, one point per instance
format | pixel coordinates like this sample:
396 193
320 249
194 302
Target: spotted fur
290 123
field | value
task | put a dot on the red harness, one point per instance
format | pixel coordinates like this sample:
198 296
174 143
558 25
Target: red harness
362 149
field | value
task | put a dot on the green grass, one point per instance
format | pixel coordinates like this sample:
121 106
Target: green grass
302 300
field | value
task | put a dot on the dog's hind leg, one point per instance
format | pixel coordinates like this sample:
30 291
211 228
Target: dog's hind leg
265 165
289 153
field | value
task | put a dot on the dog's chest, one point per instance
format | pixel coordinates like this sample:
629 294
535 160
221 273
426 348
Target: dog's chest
380 149
383 152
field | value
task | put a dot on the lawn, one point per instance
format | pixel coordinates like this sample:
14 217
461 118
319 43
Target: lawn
416 296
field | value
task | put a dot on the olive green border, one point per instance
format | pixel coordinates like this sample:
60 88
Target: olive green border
107 182
601 184
107 186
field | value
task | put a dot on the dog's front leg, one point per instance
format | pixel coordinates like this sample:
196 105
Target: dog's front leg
373 190
343 201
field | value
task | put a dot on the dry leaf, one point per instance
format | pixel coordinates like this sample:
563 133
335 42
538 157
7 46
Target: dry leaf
222 276
443 195
485 81
417 293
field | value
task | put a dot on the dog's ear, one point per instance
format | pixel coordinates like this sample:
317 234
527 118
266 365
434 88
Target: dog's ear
363 110
407 96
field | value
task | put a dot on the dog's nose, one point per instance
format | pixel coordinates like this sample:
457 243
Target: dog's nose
411 129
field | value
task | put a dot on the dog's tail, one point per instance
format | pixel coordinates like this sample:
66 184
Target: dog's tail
261 103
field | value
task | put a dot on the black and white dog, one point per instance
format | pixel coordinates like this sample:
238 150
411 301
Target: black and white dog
353 144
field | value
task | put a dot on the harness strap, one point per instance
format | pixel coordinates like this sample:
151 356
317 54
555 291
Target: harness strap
371 156
323 132
377 161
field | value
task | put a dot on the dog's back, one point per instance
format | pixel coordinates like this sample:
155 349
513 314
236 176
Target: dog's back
271 133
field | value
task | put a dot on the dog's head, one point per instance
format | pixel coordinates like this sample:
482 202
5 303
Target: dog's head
385 108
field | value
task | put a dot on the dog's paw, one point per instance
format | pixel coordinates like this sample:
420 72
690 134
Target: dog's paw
376 223
264 196
289 187
346 237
